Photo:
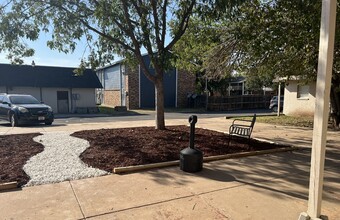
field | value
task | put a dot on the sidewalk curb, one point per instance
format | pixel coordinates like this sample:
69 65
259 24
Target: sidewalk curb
119 170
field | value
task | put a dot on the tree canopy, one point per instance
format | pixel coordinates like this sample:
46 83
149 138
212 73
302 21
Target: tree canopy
269 39
263 38
110 27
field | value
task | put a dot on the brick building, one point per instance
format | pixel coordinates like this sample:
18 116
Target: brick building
128 86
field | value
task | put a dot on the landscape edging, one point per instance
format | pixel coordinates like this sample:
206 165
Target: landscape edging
8 186
119 170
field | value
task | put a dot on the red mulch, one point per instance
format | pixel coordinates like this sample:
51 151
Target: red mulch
143 145
123 147
15 150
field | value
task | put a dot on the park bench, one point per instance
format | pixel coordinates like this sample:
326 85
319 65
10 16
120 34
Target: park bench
241 128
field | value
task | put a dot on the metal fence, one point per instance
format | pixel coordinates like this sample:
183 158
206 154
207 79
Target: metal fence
238 102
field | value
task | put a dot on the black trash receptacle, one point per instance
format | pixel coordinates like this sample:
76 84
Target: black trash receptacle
191 160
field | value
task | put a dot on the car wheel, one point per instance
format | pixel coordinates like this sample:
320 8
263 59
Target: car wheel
14 120
274 109
48 123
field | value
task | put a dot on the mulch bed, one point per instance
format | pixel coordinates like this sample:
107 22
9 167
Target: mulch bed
15 150
111 148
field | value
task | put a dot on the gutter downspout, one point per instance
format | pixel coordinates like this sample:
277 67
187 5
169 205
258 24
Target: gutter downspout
71 96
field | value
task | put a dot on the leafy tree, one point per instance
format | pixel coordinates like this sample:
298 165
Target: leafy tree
191 49
263 38
110 27
280 37
202 36
276 39
268 39
122 27
259 78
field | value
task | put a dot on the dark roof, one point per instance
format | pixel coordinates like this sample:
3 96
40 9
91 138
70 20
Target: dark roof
236 79
46 76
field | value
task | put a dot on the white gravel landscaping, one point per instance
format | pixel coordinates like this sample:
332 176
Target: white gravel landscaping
60 160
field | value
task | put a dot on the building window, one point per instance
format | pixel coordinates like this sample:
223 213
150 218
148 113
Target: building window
303 91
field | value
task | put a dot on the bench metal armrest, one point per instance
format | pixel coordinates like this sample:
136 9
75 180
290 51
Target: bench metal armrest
240 125
243 120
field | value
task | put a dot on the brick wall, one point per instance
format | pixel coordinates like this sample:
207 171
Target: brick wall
112 98
185 85
132 85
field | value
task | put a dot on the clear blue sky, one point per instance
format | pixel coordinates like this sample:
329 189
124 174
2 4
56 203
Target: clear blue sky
44 56
47 57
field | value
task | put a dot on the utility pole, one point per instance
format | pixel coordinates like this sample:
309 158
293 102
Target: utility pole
323 85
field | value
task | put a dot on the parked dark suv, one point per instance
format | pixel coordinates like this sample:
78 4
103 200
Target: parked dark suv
22 109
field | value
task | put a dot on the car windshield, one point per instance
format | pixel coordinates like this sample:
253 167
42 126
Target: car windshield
23 100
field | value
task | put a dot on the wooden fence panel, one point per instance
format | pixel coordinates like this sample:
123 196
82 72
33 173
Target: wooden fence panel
238 102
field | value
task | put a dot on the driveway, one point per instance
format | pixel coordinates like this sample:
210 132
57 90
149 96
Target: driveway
140 115
76 122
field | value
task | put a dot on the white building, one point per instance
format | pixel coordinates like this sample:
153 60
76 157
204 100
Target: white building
299 98
58 87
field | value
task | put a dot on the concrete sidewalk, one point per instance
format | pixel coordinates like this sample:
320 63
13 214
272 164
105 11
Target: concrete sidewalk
259 187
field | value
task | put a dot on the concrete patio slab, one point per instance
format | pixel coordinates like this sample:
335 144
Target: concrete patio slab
52 201
260 187
186 208
250 202
115 193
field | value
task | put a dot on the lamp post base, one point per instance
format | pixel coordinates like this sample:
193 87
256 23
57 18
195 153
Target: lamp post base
305 216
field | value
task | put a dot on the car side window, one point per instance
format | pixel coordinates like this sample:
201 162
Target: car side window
5 99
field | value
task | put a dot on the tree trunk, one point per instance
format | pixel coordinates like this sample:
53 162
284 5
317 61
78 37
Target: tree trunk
159 103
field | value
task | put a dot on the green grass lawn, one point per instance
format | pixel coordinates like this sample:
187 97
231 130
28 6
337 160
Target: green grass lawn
111 111
301 121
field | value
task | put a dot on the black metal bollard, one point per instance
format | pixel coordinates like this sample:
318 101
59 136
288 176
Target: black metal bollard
191 159
192 121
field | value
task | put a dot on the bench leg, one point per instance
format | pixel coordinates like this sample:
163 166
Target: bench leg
229 140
